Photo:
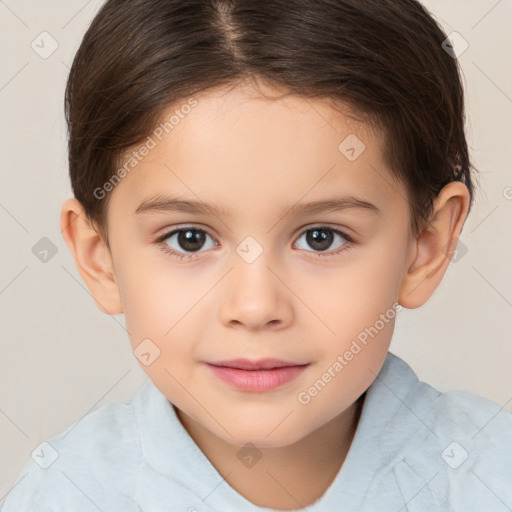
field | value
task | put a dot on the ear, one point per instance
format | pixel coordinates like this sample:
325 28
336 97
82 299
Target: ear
435 246
92 257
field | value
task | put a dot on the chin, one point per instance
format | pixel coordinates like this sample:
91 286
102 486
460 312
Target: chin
261 436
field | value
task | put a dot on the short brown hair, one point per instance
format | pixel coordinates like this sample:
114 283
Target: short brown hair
382 58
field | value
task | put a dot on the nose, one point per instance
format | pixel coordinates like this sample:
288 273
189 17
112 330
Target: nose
255 296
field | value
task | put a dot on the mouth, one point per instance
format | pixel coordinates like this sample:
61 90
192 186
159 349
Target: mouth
256 376
261 364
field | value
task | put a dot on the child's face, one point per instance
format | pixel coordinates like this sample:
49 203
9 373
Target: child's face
256 159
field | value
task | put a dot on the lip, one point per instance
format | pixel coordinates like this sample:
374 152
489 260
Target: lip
256 376
260 364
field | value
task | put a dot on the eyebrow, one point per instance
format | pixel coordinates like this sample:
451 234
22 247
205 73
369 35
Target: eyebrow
173 204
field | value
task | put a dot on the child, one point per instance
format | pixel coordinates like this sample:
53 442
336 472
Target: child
314 150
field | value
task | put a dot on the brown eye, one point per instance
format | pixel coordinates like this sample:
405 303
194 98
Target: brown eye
179 242
191 239
321 238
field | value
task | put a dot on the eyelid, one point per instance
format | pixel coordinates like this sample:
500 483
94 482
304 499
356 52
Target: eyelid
183 227
345 232
350 241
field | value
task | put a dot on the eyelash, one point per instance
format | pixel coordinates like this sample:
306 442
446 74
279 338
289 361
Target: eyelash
160 241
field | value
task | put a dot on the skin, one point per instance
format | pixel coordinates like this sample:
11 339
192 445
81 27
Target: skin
256 156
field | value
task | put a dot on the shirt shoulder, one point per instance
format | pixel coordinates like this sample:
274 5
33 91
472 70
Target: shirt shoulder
461 413
456 445
90 466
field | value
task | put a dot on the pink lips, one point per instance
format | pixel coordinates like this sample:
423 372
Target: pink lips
256 376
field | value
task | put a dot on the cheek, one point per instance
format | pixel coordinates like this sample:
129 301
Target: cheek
159 298
152 300
377 281
354 299
360 308
163 304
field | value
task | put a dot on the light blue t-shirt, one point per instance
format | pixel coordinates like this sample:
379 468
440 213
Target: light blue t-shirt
415 450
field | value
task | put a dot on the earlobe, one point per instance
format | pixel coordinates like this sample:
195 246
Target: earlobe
435 246
92 257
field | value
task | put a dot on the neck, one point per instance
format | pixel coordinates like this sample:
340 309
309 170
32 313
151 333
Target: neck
285 478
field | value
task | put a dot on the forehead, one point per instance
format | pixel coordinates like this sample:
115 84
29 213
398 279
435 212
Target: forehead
244 146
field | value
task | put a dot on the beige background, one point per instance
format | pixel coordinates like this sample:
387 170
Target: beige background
61 357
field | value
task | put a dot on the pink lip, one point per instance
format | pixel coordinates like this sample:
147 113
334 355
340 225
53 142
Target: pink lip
257 376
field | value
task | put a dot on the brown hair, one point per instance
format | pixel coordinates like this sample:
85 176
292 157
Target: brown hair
382 58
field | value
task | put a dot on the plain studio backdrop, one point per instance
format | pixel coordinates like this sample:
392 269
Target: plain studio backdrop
61 358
